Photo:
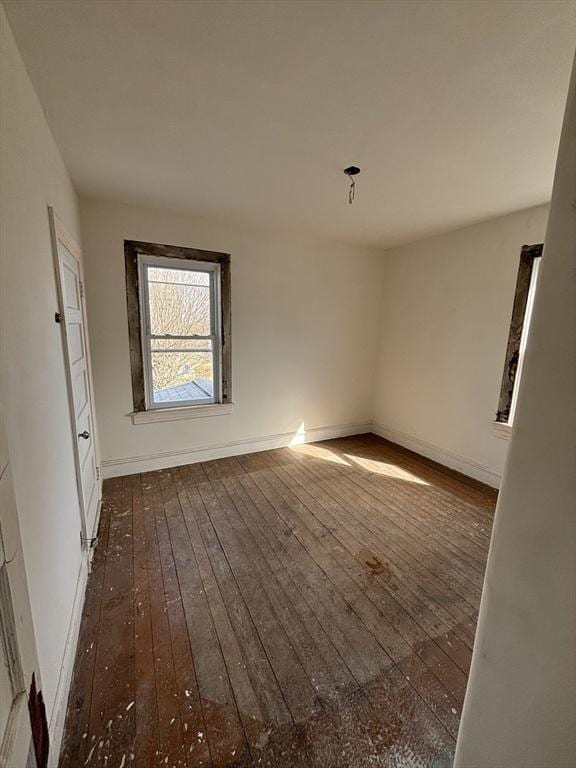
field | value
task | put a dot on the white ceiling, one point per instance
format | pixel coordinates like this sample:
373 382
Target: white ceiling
250 110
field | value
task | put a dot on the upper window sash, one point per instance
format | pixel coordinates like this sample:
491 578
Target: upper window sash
161 262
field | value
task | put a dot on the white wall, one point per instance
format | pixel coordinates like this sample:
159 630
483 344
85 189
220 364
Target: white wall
304 331
32 377
520 707
446 312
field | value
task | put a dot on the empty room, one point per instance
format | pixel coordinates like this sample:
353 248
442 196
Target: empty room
287 384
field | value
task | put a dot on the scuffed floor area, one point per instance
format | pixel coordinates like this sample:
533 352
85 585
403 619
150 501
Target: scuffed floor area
307 606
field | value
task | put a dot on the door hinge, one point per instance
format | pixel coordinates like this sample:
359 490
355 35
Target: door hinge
81 289
97 473
58 318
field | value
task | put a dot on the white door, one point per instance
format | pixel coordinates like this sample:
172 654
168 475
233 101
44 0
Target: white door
72 319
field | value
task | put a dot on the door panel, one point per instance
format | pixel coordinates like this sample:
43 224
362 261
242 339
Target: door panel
71 287
89 483
80 392
75 345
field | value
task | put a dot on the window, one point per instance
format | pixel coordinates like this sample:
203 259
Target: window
519 328
179 326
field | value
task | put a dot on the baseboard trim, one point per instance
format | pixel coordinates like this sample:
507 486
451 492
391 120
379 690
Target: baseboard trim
58 714
450 459
148 463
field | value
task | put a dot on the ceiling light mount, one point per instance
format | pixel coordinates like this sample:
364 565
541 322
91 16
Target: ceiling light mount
352 171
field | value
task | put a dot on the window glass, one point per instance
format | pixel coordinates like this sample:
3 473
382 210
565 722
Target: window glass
182 374
179 302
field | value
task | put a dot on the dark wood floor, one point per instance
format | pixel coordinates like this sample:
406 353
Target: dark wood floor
310 606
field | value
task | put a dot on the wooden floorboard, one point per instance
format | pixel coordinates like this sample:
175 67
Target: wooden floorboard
310 607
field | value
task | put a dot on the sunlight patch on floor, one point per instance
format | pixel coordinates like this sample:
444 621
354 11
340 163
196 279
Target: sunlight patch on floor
389 470
316 452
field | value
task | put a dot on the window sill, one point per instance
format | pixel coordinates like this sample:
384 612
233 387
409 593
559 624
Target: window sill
182 412
502 430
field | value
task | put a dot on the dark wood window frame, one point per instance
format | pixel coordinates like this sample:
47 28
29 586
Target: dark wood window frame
528 256
135 248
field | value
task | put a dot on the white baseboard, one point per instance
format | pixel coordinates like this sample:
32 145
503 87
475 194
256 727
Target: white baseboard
58 714
441 455
147 463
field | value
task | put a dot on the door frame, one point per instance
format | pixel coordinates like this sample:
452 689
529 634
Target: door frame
59 234
16 623
16 740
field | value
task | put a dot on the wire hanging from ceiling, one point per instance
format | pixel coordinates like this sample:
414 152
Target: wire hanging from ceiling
352 171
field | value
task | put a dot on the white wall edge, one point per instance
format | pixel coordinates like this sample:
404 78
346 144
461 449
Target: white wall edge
504 431
148 463
450 459
58 714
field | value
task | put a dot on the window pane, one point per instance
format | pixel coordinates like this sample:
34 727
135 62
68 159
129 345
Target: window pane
178 376
179 302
